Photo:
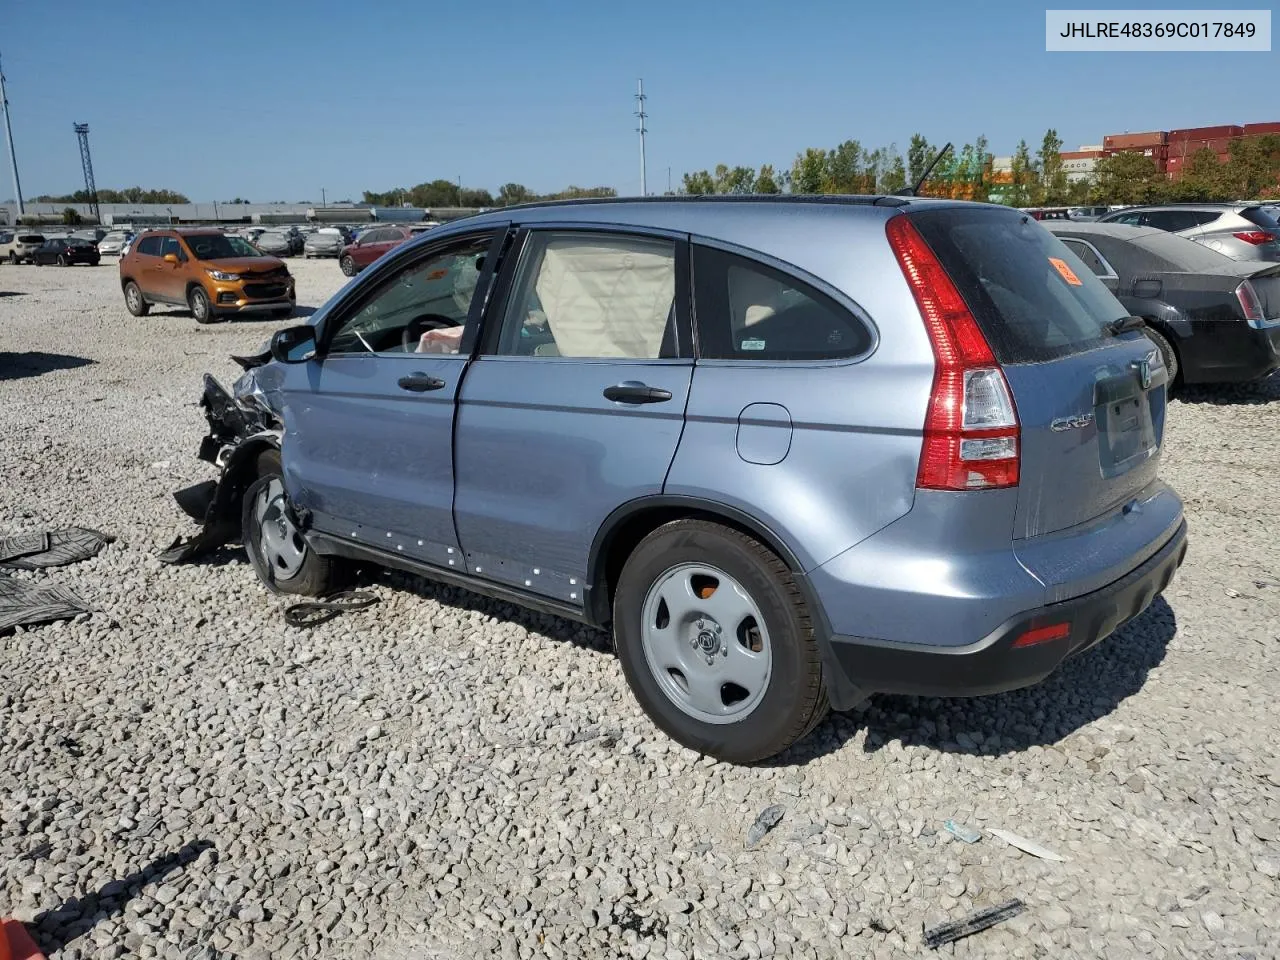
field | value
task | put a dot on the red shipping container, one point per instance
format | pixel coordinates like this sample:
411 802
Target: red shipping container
1128 141
1081 154
1257 129
1205 133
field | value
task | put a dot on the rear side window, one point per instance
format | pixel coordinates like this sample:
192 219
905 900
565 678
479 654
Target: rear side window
1173 219
1087 254
1261 217
150 246
749 311
1018 280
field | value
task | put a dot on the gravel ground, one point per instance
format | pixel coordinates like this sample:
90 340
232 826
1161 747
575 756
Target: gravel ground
182 775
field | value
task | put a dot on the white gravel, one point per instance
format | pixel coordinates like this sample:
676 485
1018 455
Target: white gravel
442 775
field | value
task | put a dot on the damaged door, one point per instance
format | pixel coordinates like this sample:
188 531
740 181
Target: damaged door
368 441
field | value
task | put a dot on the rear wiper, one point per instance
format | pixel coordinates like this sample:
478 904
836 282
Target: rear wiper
1124 325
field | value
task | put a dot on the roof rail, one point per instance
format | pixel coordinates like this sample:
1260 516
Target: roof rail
763 198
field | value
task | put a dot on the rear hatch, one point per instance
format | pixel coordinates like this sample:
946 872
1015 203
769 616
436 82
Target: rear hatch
1090 403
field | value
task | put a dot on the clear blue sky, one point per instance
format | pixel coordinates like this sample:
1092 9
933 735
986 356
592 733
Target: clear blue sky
274 99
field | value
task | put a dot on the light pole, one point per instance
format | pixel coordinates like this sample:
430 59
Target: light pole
13 157
459 191
640 99
323 203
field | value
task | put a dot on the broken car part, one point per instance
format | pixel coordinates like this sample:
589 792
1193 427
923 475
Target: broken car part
974 923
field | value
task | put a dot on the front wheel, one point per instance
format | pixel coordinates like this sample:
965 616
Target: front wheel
63 261
716 642
348 266
201 309
281 558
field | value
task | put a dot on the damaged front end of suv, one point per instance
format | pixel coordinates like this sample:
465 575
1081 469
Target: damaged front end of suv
242 426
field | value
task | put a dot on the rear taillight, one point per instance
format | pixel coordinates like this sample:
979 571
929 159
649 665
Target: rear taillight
1250 304
971 432
1257 237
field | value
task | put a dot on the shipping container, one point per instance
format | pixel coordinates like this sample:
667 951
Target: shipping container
1257 129
1128 141
1080 154
1206 133
1185 148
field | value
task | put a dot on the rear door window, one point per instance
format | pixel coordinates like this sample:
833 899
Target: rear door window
747 310
1089 256
1018 280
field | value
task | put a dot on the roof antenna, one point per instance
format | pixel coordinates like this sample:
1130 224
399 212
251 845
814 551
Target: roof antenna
914 190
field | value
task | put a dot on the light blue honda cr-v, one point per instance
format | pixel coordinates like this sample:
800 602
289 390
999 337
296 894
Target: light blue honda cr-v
794 451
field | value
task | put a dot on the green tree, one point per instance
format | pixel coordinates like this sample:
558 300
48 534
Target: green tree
510 193
982 159
699 184
1022 176
893 174
1053 178
809 171
1128 178
918 156
583 193
71 217
1253 167
1203 179
843 171
734 180
765 181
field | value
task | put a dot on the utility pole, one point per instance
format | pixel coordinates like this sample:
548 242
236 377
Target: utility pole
668 179
82 132
322 198
459 191
640 99
13 157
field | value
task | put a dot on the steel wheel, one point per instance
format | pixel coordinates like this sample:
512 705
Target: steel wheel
706 643
281 545
348 266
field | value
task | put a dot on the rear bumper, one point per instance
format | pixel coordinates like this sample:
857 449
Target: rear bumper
1231 352
993 664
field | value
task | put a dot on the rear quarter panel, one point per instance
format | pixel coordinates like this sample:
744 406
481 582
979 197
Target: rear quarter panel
852 429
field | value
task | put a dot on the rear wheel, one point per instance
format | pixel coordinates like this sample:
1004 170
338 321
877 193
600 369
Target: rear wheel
63 261
716 642
1167 354
13 258
348 266
280 556
134 301
201 309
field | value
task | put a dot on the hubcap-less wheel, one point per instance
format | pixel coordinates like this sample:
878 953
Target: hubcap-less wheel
134 296
706 643
348 266
282 547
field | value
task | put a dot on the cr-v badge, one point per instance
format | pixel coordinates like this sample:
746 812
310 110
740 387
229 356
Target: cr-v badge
1072 423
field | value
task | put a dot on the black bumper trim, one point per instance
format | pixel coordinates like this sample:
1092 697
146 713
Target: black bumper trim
992 665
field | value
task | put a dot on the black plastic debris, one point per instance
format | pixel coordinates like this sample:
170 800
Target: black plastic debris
312 613
974 923
769 818
54 548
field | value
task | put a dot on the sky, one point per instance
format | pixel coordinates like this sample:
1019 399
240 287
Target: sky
279 100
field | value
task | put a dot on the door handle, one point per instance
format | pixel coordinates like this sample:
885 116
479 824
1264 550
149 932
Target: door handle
420 382
632 391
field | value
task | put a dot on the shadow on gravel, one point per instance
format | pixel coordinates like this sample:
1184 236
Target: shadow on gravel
1085 688
56 928
11 293
182 313
1230 394
17 366
549 625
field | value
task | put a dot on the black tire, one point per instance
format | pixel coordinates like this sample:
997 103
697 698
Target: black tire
13 258
37 262
200 306
1168 354
794 699
348 266
316 575
63 261
134 301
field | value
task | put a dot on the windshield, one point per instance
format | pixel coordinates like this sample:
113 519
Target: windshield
212 246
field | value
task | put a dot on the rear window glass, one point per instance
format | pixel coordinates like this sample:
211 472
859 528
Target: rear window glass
1181 254
1261 217
1033 298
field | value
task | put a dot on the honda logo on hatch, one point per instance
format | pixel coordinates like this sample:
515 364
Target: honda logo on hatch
1143 367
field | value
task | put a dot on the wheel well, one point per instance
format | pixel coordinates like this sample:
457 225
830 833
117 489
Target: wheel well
624 536
191 285
125 281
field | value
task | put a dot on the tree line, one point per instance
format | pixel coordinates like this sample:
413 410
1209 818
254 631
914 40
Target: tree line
446 193
1039 178
107 195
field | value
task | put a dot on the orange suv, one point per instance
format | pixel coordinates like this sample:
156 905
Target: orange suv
211 273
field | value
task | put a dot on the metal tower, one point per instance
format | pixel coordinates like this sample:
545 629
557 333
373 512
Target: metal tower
13 157
86 161
640 99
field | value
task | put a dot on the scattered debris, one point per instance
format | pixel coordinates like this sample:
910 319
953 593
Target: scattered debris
1028 846
769 818
808 830
1237 595
974 923
1263 584
962 832
312 613
56 548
